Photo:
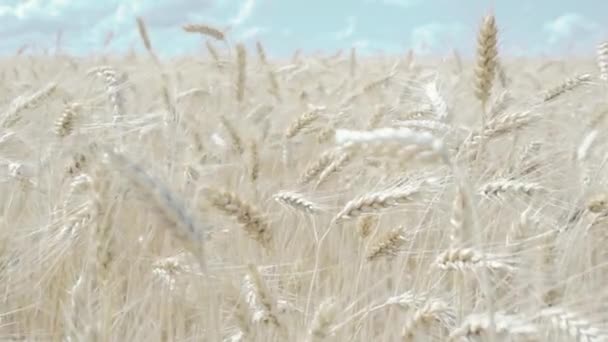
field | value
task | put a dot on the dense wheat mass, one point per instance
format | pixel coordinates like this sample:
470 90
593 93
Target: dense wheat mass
238 197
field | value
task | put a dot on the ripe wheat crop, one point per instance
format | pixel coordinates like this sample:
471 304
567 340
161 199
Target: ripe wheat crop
236 196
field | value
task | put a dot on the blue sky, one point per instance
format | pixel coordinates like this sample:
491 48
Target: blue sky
393 26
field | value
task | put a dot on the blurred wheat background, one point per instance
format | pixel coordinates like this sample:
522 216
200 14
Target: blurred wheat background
348 196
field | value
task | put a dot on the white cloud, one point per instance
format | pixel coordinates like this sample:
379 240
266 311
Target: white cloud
348 30
245 11
428 38
569 26
396 3
252 32
362 44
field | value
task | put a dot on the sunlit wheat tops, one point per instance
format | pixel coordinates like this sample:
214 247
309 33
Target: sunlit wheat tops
602 60
487 52
333 196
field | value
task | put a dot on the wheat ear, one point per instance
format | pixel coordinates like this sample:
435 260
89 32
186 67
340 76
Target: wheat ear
145 38
366 224
261 53
377 201
65 124
237 142
204 30
573 324
438 103
565 87
296 201
13 115
315 168
261 302
301 123
324 318
387 245
500 186
461 259
504 325
250 218
486 59
433 312
184 226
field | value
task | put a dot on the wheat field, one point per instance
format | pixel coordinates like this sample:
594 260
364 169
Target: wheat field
236 197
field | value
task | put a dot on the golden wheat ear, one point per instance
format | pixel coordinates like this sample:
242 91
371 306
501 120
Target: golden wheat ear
487 53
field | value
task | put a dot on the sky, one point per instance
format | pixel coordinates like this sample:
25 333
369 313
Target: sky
429 27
